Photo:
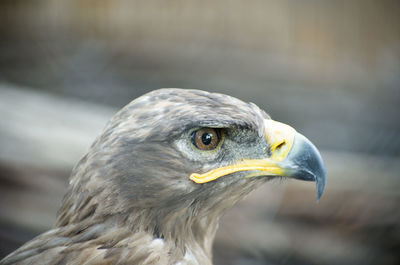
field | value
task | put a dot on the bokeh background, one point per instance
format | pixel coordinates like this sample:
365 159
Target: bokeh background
329 68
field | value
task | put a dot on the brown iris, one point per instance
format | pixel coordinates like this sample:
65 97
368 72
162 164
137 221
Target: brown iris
206 138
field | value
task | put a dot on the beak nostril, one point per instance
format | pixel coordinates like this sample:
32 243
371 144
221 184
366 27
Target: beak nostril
280 145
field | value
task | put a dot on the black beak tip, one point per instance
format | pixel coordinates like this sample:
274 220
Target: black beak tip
320 184
307 162
317 168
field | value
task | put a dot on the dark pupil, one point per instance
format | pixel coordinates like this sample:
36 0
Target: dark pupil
206 138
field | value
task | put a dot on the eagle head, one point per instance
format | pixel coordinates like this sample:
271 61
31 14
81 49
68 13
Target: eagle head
177 153
166 167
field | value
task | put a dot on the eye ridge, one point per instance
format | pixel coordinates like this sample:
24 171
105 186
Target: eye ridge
206 138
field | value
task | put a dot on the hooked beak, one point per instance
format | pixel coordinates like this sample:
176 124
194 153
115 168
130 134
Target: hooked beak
304 162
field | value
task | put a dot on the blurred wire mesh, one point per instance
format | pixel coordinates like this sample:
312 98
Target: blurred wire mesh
329 68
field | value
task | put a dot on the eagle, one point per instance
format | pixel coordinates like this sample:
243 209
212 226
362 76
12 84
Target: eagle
153 185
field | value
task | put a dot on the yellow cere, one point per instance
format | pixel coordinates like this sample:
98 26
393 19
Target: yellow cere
279 136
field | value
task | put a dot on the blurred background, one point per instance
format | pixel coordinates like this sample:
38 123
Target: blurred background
331 69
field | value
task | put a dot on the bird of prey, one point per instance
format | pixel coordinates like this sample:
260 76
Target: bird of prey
153 185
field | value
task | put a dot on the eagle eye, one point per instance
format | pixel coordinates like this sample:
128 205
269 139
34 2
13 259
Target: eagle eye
206 138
